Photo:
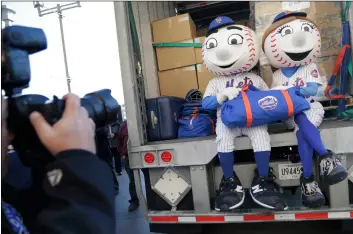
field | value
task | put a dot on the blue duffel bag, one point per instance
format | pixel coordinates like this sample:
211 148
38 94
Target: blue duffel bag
195 126
253 107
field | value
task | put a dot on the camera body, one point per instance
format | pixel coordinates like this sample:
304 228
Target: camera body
18 43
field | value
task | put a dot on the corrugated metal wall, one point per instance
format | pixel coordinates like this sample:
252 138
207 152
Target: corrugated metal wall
145 13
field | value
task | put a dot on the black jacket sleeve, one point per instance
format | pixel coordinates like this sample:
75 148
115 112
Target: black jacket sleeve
81 196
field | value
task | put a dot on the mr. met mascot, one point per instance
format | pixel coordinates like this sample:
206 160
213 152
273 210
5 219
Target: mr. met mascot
230 51
292 43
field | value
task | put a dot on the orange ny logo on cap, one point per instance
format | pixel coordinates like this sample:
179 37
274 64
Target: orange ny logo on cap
219 20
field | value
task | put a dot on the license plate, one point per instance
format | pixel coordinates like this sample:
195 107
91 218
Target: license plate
291 171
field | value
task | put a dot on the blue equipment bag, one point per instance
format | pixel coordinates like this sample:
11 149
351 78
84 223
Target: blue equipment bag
253 108
191 108
196 126
196 121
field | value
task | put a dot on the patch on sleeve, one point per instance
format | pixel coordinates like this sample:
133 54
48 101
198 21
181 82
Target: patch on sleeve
314 73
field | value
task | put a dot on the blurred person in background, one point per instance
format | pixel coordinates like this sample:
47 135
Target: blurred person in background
104 153
122 142
113 133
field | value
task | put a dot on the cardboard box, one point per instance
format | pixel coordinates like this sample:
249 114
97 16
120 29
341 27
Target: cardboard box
175 57
177 82
327 16
203 77
325 65
198 51
177 28
266 11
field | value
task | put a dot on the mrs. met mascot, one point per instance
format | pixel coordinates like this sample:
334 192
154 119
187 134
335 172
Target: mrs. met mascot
230 51
291 44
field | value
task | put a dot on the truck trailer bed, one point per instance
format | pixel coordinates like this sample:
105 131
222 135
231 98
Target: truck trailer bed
336 135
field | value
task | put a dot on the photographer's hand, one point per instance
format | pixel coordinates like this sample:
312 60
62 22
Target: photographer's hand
75 130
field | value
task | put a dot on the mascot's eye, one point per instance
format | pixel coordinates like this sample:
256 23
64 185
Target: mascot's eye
211 43
307 27
235 39
285 30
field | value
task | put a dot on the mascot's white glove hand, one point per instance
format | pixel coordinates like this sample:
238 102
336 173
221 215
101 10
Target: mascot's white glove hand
229 93
221 98
279 87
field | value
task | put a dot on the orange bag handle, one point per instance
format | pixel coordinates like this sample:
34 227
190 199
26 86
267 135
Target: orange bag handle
248 111
289 102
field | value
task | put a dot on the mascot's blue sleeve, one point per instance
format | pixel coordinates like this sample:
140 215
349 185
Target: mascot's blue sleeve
310 89
210 103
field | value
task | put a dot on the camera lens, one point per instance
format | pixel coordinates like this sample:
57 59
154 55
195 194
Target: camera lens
101 107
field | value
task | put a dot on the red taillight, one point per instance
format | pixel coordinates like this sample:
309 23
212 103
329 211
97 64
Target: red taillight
149 158
166 157
203 3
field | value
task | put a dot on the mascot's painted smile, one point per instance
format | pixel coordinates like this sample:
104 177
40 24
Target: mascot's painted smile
292 43
298 56
230 50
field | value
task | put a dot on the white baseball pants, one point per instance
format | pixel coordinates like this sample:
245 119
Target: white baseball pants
315 115
259 137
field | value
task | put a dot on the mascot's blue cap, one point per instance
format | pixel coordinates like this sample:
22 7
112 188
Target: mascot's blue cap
286 14
219 22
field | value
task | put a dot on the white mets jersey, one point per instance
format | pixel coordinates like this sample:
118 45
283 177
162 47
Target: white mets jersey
304 74
220 83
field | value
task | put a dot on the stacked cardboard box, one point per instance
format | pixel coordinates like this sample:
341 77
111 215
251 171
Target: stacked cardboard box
180 28
327 15
180 68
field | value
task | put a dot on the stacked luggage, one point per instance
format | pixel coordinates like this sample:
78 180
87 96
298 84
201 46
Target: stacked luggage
173 117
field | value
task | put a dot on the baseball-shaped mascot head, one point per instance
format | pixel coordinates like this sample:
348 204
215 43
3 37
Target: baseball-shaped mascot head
230 48
292 40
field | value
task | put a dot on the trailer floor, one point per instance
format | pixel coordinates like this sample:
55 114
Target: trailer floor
276 128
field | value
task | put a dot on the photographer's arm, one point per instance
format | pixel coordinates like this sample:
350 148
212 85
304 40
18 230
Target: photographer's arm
79 185
81 195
